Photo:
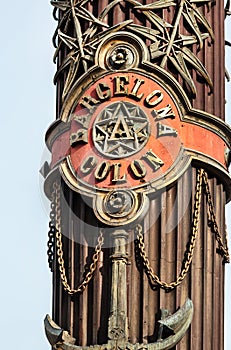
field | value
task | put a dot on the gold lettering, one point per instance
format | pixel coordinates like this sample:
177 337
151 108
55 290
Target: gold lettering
102 171
120 130
89 102
83 120
154 94
120 82
138 169
116 174
152 159
165 130
79 136
133 93
163 113
88 165
103 91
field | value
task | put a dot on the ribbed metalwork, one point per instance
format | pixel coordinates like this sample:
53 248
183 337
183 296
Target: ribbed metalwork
166 238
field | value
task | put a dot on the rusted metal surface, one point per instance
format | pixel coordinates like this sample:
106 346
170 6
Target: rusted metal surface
171 328
87 318
197 130
176 27
168 221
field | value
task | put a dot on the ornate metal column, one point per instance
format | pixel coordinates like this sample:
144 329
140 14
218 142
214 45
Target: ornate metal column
139 176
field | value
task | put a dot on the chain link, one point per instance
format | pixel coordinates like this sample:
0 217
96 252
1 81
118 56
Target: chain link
55 231
51 234
154 279
223 246
60 259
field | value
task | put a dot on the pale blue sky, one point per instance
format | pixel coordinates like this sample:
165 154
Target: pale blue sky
27 108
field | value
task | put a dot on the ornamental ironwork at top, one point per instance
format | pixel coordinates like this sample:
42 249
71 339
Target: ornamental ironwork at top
173 31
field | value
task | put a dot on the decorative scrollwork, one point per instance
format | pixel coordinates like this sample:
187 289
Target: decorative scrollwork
171 29
119 203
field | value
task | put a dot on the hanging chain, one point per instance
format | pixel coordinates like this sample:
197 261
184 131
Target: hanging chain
51 233
55 230
202 177
223 246
61 266
154 279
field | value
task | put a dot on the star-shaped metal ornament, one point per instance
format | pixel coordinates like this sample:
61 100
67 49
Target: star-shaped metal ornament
120 130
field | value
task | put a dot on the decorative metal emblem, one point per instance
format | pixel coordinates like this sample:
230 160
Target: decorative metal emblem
123 134
127 131
123 137
169 46
126 120
121 130
121 56
118 203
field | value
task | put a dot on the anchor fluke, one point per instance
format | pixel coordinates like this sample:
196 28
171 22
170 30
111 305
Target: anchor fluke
181 317
55 334
176 324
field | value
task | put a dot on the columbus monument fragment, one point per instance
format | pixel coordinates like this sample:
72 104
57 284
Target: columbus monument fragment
139 178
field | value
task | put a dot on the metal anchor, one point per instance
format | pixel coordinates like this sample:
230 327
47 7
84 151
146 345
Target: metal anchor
176 325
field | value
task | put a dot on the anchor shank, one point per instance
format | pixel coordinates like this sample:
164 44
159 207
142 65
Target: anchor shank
118 324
